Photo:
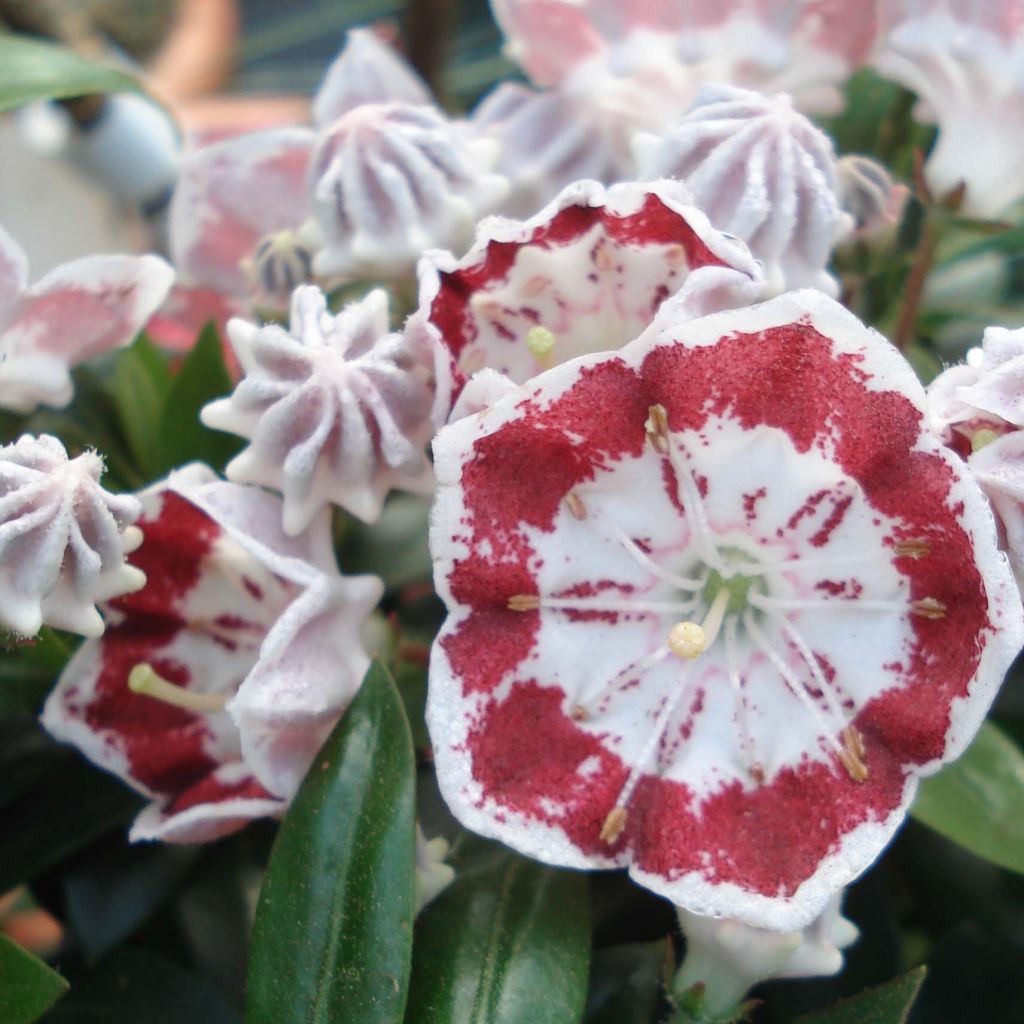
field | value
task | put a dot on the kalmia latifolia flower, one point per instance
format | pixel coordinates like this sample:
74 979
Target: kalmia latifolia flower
965 61
389 180
337 409
716 602
63 538
727 957
75 312
868 193
978 408
761 170
214 686
588 273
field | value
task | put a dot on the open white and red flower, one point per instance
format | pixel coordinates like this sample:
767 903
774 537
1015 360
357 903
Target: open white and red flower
77 311
214 686
589 273
717 601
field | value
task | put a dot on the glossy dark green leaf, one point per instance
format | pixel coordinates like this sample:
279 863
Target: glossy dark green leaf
508 941
978 801
142 381
333 932
627 983
31 69
28 988
887 1004
202 378
140 987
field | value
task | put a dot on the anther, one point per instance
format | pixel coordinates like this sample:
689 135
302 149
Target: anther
575 505
852 754
928 608
603 259
145 681
913 547
524 602
657 428
757 773
579 714
687 640
614 825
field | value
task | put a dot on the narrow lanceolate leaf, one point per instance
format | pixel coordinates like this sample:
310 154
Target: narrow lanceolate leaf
142 381
333 932
509 941
33 70
978 801
887 1004
28 988
202 378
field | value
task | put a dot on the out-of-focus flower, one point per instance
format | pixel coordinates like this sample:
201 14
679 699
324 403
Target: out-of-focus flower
728 957
869 195
704 591
390 180
978 408
761 170
965 61
337 409
214 686
588 273
75 312
433 876
63 538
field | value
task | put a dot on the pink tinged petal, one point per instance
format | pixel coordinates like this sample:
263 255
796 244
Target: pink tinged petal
588 273
13 277
63 538
229 197
390 180
176 325
999 468
338 410
368 70
762 171
541 717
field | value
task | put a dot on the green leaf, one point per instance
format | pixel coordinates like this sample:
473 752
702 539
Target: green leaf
508 941
978 801
31 69
142 382
627 982
28 988
202 378
887 1004
333 933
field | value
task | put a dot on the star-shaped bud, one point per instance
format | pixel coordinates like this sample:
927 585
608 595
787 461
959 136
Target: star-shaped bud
965 62
868 193
588 273
63 538
214 686
704 591
761 170
337 409
77 311
390 180
727 957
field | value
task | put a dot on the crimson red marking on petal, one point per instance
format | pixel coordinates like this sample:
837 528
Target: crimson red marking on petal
835 517
528 755
210 790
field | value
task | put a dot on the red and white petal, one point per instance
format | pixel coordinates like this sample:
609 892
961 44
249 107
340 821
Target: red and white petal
229 197
86 307
803 437
588 273
368 70
13 277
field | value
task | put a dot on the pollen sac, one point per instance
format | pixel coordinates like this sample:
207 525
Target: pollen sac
391 180
337 409
762 171
63 538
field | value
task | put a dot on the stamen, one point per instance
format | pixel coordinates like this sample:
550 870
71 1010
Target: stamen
531 602
759 568
852 755
834 706
635 668
648 563
524 602
603 258
826 730
912 548
144 680
575 505
656 426
614 825
754 767
928 608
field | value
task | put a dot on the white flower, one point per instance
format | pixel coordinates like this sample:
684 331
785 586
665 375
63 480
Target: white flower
761 170
390 180
75 312
337 409
63 538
